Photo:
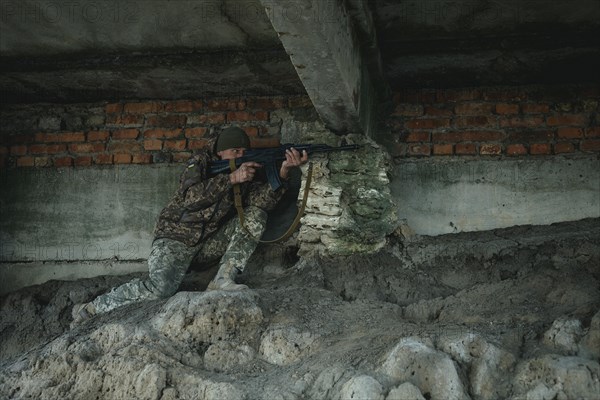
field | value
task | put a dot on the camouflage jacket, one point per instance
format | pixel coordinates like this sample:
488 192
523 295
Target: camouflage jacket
203 203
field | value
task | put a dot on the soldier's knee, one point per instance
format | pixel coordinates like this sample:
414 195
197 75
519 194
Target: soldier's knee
256 219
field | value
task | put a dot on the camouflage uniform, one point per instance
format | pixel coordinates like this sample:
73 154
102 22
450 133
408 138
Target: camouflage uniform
198 222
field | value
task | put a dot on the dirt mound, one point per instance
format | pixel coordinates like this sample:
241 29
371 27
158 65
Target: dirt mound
506 314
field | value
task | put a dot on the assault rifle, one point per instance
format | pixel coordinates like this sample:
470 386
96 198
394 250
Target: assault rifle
269 157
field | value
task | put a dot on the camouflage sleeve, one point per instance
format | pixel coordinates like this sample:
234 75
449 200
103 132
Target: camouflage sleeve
262 196
207 192
196 189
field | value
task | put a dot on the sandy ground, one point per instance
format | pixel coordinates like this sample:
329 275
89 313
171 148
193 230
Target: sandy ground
511 313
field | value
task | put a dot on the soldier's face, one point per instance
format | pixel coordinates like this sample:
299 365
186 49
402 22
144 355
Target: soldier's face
230 154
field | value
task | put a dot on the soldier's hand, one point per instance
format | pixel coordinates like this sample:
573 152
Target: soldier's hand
293 158
245 173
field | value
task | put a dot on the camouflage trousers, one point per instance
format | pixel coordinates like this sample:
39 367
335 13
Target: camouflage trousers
170 259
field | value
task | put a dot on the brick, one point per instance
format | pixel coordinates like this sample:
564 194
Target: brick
241 116
167 121
417 137
226 104
570 133
47 148
251 131
415 96
468 136
529 136
122 158
103 159
567 119
419 149
590 145
262 142
18 139
26 161
592 132
540 148
473 109
522 122
438 112
564 147
528 108
141 159
267 103
465 149
443 149
184 106
125 134
408 110
60 137
42 162
182 156
86 147
162 133
174 144
125 120
213 119
516 149
19 150
152 144
428 123
83 161
300 102
125 147
474 121
142 108
63 162
97 136
490 149
507 108
197 144
113 108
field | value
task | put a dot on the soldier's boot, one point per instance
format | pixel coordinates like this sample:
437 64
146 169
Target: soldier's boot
225 278
82 312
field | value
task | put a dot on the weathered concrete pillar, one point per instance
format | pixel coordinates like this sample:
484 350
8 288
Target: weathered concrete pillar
322 40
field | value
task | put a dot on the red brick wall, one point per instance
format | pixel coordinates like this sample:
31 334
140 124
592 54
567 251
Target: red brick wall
131 132
509 121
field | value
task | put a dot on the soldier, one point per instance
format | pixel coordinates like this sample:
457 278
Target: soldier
199 222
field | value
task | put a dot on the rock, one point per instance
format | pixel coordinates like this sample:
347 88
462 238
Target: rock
362 387
489 365
433 372
350 205
209 317
589 346
577 377
563 336
192 385
406 391
284 345
327 383
226 356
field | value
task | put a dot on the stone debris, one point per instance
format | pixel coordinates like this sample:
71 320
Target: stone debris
513 323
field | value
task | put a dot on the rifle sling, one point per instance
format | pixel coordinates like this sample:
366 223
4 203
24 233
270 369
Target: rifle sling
237 198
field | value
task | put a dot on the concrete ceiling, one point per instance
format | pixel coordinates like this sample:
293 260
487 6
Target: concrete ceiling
89 50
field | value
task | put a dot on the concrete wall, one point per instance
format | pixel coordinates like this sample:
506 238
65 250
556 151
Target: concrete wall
90 220
84 222
458 195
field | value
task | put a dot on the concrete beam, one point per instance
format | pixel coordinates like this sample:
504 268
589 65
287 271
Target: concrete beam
323 41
